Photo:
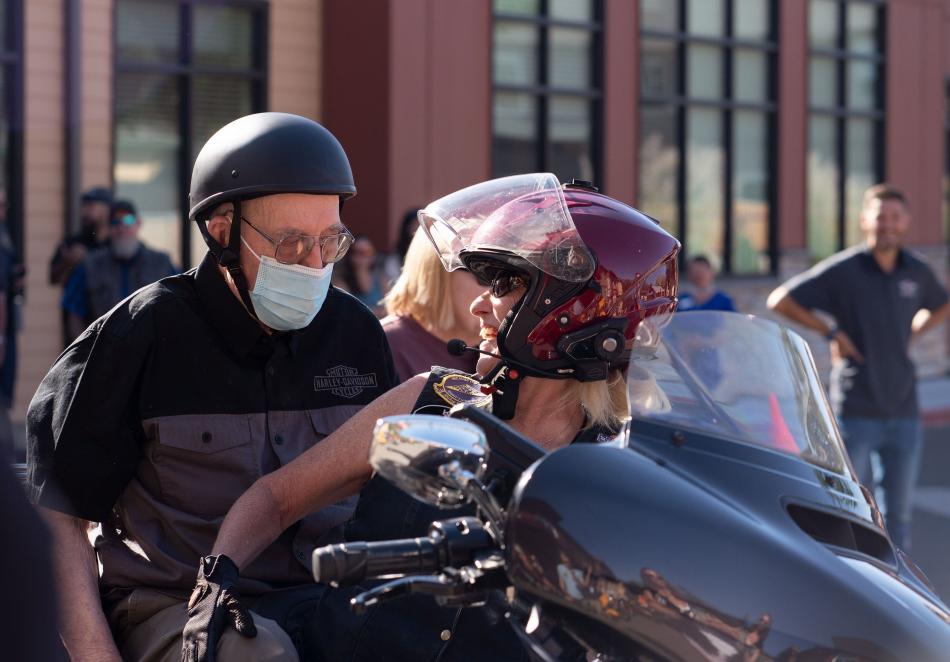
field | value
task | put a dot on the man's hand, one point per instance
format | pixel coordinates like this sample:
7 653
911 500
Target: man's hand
842 347
213 606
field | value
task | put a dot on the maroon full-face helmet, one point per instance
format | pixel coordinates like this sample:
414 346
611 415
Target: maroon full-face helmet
595 269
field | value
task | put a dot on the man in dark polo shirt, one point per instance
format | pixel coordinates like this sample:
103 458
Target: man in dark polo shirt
167 409
874 293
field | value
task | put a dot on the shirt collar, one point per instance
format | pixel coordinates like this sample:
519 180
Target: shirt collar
870 261
241 333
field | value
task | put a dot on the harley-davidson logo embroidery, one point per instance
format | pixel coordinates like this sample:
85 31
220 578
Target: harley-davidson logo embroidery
344 381
461 389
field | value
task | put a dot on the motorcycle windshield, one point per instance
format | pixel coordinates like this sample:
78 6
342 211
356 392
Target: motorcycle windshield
737 377
523 215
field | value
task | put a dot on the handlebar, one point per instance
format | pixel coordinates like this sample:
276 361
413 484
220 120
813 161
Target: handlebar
351 563
452 542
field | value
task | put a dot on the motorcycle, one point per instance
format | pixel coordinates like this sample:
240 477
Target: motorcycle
725 522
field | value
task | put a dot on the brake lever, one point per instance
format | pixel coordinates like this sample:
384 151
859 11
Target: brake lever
432 584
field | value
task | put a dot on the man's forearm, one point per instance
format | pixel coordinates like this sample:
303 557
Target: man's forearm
926 320
83 624
785 305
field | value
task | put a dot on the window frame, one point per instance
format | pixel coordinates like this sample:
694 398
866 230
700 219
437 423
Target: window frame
541 91
12 59
184 70
840 113
681 102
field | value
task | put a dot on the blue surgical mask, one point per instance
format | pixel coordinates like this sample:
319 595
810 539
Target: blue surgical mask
288 296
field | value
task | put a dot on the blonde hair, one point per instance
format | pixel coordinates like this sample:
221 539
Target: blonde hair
423 290
604 401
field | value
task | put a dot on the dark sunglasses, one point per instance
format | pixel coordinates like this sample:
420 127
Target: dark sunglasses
128 220
501 283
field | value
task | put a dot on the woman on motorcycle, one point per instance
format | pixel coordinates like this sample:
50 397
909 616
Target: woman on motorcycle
569 275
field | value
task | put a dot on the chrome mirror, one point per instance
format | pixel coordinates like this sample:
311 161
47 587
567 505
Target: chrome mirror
412 451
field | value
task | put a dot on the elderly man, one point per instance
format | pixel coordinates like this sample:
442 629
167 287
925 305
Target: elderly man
165 410
110 273
881 297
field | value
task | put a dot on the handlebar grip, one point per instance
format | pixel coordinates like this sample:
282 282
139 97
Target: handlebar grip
351 563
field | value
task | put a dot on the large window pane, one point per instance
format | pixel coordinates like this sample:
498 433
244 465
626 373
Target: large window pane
146 31
822 82
704 71
862 167
216 100
569 132
147 141
706 17
862 28
514 141
571 10
704 182
750 189
658 70
822 187
659 163
862 84
660 15
750 69
751 19
569 58
515 53
823 23
222 37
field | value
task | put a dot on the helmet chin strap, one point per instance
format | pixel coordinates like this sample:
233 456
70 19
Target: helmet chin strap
503 381
229 256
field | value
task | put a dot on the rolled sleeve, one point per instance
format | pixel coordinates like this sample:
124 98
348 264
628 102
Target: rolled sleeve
83 440
934 294
813 289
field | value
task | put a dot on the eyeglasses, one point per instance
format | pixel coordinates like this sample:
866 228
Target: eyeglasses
128 220
294 248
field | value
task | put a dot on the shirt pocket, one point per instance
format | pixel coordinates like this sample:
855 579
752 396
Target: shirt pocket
204 463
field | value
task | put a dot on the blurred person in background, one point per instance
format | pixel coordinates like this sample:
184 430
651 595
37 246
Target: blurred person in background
12 274
392 263
703 293
111 273
94 208
881 297
358 273
427 307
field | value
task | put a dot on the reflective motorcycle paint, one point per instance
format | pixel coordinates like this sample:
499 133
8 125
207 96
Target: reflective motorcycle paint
653 553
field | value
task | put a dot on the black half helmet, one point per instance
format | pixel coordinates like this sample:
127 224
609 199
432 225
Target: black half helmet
267 153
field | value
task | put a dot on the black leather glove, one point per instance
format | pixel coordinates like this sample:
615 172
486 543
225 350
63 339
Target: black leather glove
213 606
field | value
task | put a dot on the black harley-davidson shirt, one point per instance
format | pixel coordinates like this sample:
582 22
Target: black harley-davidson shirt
165 410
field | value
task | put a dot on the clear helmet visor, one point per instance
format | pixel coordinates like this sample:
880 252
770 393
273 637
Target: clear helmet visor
522 215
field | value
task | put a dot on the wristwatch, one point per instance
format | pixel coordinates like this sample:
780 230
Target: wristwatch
832 332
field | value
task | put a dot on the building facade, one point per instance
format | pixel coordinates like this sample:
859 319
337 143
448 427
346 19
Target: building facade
749 128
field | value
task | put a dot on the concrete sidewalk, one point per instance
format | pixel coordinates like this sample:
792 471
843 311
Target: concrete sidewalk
934 396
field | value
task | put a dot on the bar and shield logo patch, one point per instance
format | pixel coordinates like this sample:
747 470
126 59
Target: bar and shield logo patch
344 381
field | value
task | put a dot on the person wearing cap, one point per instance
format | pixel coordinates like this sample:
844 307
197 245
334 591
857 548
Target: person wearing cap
161 413
112 272
94 212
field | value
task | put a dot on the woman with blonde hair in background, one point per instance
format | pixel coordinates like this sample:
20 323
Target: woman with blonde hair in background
428 306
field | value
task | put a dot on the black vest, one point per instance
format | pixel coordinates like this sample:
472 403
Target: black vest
104 277
415 628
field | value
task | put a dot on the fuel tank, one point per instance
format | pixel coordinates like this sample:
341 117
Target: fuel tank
696 555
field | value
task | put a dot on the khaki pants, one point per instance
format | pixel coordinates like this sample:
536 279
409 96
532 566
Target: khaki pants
148 626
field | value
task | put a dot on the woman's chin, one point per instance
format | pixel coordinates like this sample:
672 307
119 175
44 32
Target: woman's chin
485 364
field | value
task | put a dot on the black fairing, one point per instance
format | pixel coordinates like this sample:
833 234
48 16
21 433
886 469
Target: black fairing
695 552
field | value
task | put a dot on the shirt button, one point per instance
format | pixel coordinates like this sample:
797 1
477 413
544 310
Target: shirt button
445 635
278 439
270 370
206 437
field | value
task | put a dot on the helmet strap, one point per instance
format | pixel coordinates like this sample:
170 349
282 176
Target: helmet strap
504 384
229 256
